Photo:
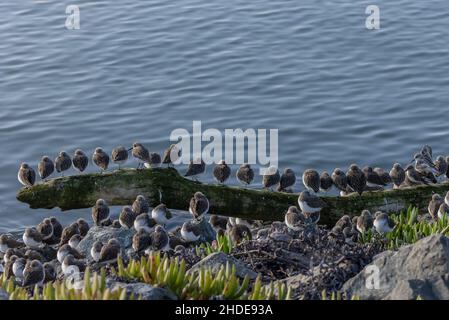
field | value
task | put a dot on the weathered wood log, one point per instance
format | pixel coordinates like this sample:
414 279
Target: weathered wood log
122 186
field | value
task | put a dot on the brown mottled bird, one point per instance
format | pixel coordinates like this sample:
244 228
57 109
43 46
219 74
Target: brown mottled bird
45 167
199 205
160 239
271 177
294 218
311 180
311 205
110 251
83 227
171 155
222 171
326 182
434 205
384 176
80 160
140 153
7 241
45 228
26 175
69 232
340 180
365 221
63 162
101 159
141 205
218 222
288 180
33 273
141 241
127 217
100 212
397 174
239 233
195 168
245 174
372 178
119 155
356 179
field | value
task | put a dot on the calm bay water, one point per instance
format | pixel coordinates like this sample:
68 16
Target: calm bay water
136 70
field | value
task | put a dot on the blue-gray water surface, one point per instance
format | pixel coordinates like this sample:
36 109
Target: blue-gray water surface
136 70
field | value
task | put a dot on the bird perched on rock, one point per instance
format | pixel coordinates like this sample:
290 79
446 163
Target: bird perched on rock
288 180
271 178
191 231
245 174
45 167
45 228
344 222
75 240
340 180
140 153
311 180
95 251
372 178
159 239
7 241
441 166
19 252
397 174
83 227
26 175
57 227
356 179
18 267
222 171
218 222
199 205
50 272
443 211
434 205
32 238
350 235
426 172
80 160
294 218
384 176
127 217
33 274
69 232
141 241
72 265
101 159
412 177
161 214
383 223
100 212
311 206
119 156
326 182
154 161
195 168
141 205
67 249
63 162
171 155
365 221
110 251
239 233
34 254
144 222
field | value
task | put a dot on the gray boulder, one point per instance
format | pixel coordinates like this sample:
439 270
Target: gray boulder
3 295
218 259
145 291
418 270
104 234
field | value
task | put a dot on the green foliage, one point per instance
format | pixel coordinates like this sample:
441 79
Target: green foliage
408 230
222 244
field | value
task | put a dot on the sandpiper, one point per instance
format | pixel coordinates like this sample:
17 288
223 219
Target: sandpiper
161 214
372 178
141 241
294 218
19 252
101 159
356 179
127 217
326 182
72 265
7 241
350 235
288 180
239 233
33 273
141 205
26 175
340 180
57 227
199 205
67 249
45 228
96 250
45 167
171 155
83 227
119 156
384 176
32 238
311 205
383 223
218 222
191 231
427 173
365 221
75 240
63 162
443 211
80 160
195 168
100 212
344 222
311 180
160 239
140 153
245 174
34 254
18 267
222 171
110 251
154 161
397 174
271 178
50 272
434 205
8 264
144 222
441 165
69 232
412 177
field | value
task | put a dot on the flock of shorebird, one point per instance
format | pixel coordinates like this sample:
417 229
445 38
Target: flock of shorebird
24 260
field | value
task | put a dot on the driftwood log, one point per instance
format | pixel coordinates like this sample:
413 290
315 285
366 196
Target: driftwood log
121 187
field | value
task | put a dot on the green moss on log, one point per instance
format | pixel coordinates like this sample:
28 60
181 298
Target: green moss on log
121 187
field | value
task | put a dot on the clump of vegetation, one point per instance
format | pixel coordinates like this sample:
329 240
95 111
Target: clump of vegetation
222 244
408 230
199 285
